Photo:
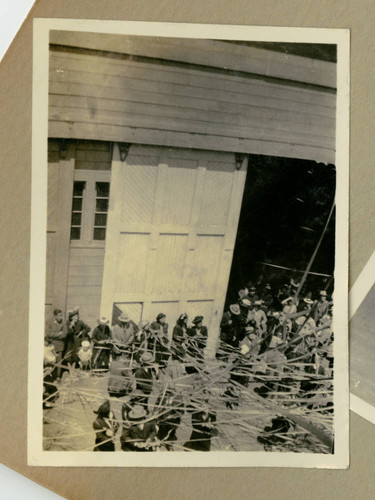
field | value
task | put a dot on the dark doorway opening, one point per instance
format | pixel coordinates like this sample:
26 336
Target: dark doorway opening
285 207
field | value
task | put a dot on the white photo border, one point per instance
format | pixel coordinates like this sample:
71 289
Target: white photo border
36 455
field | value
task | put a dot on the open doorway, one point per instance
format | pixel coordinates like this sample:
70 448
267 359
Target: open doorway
284 211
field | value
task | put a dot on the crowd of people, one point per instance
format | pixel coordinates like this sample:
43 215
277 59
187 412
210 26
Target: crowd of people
284 339
135 356
262 334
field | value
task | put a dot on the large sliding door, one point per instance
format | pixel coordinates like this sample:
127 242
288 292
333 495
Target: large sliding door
172 225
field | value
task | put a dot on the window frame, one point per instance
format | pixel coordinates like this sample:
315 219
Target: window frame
90 177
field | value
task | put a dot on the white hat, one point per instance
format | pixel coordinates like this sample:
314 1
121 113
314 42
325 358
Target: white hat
323 292
235 309
124 317
308 301
246 302
85 343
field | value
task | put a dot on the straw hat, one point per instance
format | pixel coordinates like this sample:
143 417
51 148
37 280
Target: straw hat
308 301
103 321
235 309
246 303
138 412
147 357
124 317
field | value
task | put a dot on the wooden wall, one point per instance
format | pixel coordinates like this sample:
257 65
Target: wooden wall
74 270
59 197
84 285
105 96
172 227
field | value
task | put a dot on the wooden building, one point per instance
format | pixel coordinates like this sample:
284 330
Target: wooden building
148 145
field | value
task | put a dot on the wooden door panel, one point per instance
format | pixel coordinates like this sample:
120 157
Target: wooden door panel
202 265
171 231
133 309
138 196
166 268
132 258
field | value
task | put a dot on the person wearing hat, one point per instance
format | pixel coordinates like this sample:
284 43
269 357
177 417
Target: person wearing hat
105 427
275 322
322 306
160 325
101 336
285 291
324 330
180 329
239 372
252 295
196 338
124 332
144 376
120 381
259 317
171 409
159 342
246 306
198 333
141 341
140 433
250 344
175 369
77 332
85 355
203 421
230 331
56 330
267 296
243 293
289 305
306 324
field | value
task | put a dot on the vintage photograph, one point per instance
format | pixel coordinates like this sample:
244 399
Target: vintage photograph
362 346
192 247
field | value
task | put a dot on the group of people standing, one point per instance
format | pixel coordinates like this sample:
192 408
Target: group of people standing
144 356
265 325
263 333
262 319
136 356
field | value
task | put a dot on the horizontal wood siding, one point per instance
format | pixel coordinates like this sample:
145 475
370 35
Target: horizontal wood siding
210 53
102 98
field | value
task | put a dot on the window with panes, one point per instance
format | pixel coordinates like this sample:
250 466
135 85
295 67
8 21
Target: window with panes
90 204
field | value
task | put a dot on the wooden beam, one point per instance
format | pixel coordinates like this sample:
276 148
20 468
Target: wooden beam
68 129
